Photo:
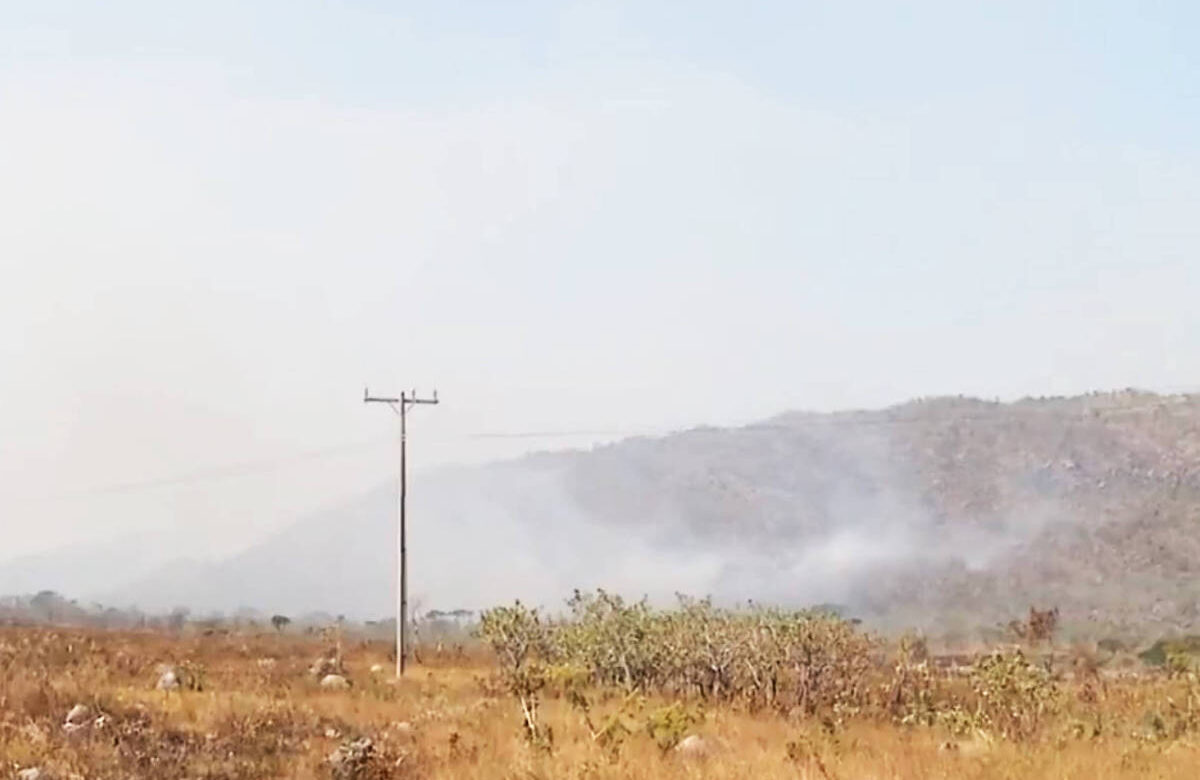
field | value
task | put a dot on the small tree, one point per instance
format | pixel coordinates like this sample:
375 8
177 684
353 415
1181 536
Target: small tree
1042 624
521 643
178 618
47 605
280 622
1038 629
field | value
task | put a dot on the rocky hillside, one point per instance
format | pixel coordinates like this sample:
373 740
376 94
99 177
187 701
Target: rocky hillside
947 511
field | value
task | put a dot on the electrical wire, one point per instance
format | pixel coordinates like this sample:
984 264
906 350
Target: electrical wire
796 423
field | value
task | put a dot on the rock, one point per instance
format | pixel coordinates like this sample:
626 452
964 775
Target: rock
377 669
403 728
75 729
33 773
693 746
168 681
332 734
78 720
78 714
335 682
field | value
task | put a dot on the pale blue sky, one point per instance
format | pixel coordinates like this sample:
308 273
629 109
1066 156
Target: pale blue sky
221 218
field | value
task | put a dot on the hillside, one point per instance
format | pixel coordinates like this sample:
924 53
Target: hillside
953 511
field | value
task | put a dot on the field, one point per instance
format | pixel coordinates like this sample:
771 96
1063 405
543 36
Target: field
250 705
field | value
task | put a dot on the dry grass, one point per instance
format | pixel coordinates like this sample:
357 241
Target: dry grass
256 718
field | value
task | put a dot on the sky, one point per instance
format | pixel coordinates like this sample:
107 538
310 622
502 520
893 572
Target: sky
220 220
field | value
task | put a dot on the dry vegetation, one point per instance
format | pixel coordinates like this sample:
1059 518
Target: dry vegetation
615 690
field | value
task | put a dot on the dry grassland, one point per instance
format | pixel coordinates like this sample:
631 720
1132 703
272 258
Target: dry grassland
256 711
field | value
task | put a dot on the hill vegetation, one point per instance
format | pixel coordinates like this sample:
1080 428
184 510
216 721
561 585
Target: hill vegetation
946 511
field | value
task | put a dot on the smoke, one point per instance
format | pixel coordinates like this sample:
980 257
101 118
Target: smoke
490 535
796 513
806 530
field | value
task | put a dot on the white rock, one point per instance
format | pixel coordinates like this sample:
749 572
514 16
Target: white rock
78 714
335 682
74 729
692 746
376 668
168 681
33 773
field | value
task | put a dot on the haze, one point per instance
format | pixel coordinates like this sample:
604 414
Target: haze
218 221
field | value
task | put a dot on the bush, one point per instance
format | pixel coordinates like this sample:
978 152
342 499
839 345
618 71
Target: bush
521 641
1165 651
787 660
1015 696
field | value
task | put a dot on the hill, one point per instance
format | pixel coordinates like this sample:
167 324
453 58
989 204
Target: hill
951 511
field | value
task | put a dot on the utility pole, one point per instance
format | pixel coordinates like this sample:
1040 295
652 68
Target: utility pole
400 407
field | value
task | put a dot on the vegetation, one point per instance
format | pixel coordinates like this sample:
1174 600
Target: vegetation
966 510
610 688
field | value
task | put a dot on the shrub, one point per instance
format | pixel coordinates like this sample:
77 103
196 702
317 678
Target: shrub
521 642
1015 696
787 660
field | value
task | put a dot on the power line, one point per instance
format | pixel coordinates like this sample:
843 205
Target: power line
220 473
798 423
267 465
558 434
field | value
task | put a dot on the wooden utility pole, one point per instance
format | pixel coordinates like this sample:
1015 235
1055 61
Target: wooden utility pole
400 407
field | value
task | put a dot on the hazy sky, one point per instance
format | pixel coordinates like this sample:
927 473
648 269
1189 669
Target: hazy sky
219 220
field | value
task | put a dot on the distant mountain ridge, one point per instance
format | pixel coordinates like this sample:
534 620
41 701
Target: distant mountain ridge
952 511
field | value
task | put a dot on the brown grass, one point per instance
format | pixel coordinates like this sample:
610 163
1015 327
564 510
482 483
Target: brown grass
272 720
